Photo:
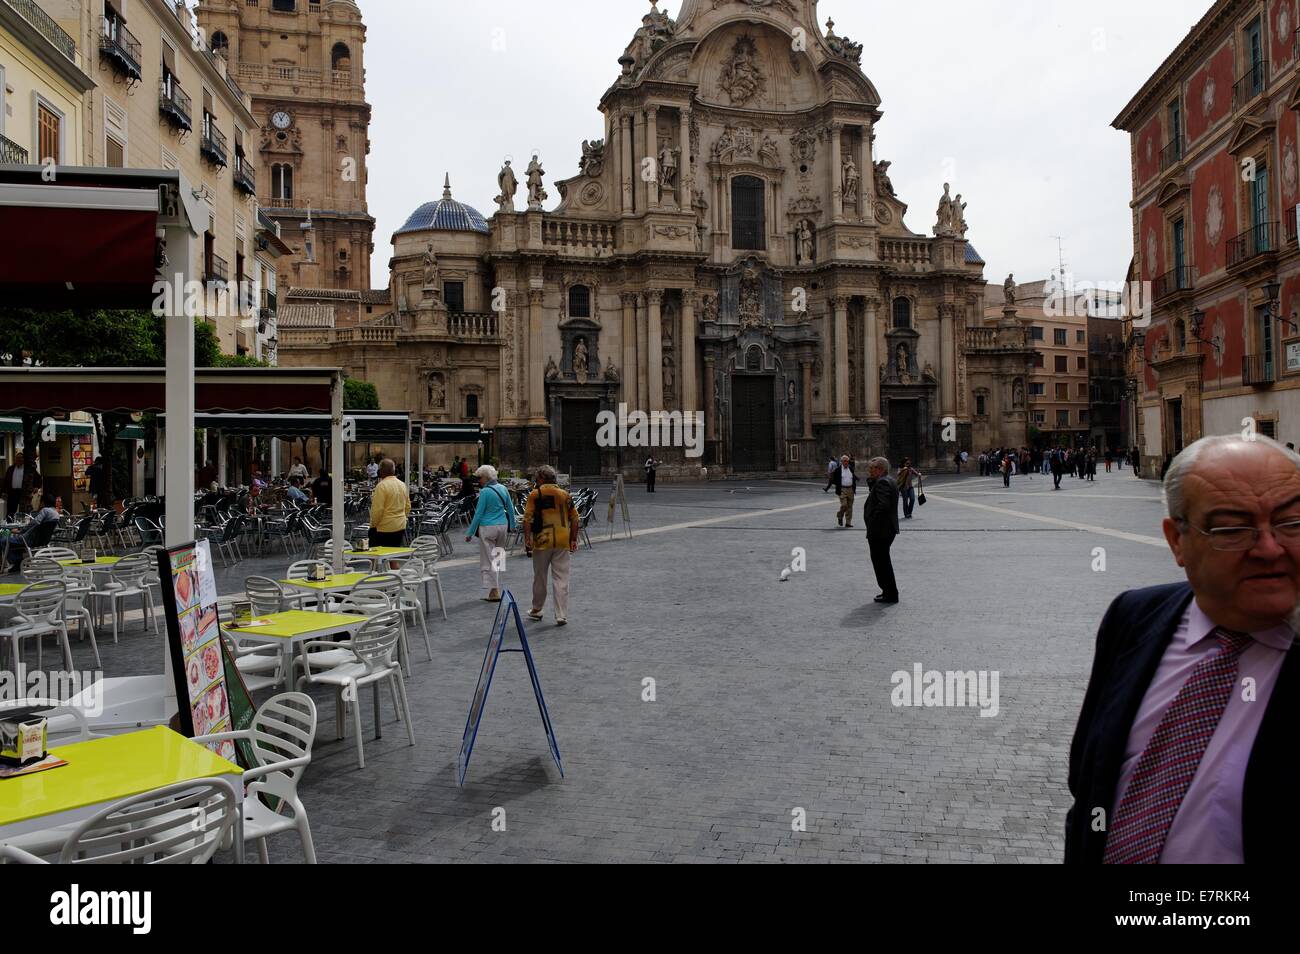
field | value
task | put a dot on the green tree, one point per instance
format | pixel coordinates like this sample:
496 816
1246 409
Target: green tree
359 395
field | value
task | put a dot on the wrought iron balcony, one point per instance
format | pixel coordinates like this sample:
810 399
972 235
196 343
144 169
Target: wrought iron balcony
1172 154
12 154
213 145
1172 282
245 176
1289 225
1257 240
120 47
218 271
174 104
1250 85
30 11
1257 370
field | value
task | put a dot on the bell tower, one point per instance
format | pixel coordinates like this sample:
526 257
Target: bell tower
303 64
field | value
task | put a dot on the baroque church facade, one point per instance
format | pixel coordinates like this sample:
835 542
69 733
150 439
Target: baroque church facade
731 245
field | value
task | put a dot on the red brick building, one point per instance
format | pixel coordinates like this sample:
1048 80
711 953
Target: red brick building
1215 188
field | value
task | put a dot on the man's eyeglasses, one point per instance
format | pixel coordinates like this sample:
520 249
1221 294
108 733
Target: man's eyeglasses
1244 538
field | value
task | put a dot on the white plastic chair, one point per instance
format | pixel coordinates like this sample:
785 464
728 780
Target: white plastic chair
38 612
428 553
127 580
57 553
372 646
413 576
281 738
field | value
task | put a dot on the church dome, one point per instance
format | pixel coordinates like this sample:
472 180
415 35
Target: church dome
446 214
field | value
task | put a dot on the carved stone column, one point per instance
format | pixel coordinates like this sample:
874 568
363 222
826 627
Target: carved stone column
686 362
947 361
807 367
710 402
655 349
629 348
840 306
837 174
642 380
871 373
867 182
652 150
685 173
639 152
536 362
628 157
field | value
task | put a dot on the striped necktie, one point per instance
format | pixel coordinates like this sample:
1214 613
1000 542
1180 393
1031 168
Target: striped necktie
1169 762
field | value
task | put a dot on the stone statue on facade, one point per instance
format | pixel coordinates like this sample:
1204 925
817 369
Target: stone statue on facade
509 186
959 217
657 28
592 162
668 374
1018 394
668 166
804 234
611 372
900 363
437 391
742 79
1009 291
580 361
430 270
536 193
709 308
884 185
552 370
769 152
945 218
850 180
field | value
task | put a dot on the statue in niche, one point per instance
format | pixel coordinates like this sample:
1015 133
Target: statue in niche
742 79
750 308
552 370
668 166
804 234
900 362
789 393
768 151
1018 394
437 391
509 186
709 308
580 361
611 372
536 193
851 177
668 374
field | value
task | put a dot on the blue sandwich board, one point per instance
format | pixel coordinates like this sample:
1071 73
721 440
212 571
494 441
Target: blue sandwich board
507 610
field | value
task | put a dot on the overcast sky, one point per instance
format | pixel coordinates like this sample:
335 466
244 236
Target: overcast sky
1010 99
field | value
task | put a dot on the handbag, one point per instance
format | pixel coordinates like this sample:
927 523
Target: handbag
920 496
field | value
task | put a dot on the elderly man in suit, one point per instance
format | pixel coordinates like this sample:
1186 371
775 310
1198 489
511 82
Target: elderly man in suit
1185 748
880 514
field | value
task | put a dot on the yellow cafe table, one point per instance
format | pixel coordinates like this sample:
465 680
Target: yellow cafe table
291 629
102 772
378 555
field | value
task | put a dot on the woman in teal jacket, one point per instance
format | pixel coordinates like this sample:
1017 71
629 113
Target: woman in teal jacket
494 520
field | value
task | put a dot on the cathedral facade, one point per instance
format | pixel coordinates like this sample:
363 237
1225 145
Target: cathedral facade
731 245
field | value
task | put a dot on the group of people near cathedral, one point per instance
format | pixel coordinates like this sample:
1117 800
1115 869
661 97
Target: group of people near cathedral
1078 461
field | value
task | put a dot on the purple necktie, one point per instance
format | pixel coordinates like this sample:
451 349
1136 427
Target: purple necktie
1164 772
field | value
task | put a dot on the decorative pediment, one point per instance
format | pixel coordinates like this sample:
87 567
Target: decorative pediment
1293 101
1172 191
805 207
1249 132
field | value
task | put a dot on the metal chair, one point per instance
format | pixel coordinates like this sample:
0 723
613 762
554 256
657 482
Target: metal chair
127 579
38 612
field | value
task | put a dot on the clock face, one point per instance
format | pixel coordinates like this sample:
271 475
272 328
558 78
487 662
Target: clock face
281 119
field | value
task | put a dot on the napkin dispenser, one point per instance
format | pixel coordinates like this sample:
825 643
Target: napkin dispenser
317 573
362 545
22 740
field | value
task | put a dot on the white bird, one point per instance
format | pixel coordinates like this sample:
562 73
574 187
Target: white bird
785 574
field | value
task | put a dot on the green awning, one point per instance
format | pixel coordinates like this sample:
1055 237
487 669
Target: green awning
14 425
132 432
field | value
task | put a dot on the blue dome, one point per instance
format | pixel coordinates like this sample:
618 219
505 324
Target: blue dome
445 214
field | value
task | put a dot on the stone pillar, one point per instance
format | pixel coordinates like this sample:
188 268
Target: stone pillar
807 367
685 172
652 150
627 160
837 174
871 374
947 362
655 349
536 362
640 201
840 306
686 366
866 169
629 349
710 404
642 381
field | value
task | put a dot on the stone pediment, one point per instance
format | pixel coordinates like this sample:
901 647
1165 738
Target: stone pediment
1172 191
1249 132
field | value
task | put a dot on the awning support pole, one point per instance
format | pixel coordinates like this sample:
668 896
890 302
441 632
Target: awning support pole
179 474
338 504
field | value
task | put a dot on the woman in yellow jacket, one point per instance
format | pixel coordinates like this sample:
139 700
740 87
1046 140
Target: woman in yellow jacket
550 537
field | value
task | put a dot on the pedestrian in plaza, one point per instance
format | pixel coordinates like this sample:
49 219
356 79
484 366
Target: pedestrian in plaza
1109 456
984 464
1185 744
908 479
372 470
956 459
1058 468
299 470
845 481
97 475
880 516
16 499
322 488
494 521
1026 464
551 538
1092 465
295 491
1136 458
1006 470
36 534
651 466
390 505
830 467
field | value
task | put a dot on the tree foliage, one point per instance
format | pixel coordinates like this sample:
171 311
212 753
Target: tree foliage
359 395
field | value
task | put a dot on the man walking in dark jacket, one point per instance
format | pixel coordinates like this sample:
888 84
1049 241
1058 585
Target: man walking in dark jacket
1058 468
880 514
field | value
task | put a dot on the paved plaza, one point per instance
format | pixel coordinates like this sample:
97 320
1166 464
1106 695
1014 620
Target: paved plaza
769 697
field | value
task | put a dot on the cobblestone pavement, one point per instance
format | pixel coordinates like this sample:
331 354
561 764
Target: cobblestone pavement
770 697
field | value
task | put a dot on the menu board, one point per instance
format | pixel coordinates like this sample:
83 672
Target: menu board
190 606
81 460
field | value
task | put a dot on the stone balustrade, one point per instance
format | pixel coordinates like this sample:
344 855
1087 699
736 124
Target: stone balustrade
579 237
473 325
905 251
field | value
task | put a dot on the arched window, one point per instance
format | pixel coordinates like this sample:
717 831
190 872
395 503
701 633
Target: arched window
282 182
579 301
902 313
471 407
747 213
220 43
341 57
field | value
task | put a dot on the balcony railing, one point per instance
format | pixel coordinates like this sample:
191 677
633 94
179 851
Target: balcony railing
1172 154
218 271
120 47
213 145
594 238
287 203
1173 281
473 325
905 251
1250 85
1257 370
45 25
174 104
245 176
1289 225
1255 241
11 153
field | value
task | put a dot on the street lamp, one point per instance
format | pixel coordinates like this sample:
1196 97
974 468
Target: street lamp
1272 292
1198 322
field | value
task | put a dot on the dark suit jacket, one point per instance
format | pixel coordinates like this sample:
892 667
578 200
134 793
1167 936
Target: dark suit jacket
1133 637
880 512
834 480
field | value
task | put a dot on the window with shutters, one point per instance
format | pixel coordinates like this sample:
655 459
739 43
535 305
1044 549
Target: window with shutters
114 156
48 126
747 220
902 313
579 301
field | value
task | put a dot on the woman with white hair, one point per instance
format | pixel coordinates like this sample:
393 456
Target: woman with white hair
494 518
